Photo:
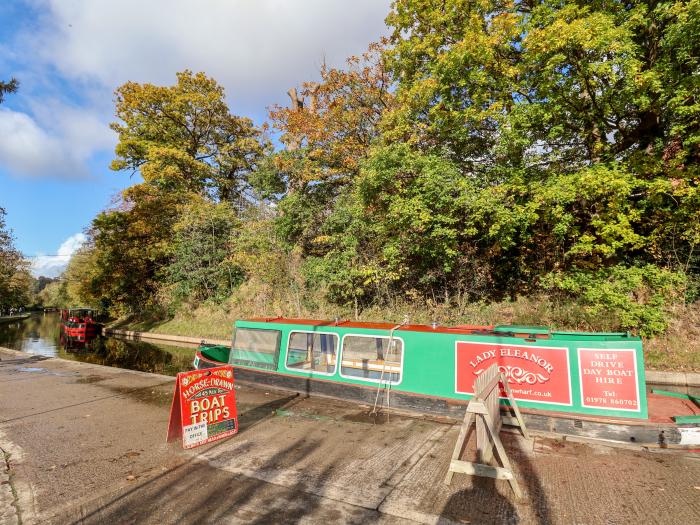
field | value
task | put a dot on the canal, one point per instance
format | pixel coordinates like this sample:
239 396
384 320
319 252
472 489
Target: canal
40 334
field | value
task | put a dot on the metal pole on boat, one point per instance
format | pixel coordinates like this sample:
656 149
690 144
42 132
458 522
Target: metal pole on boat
381 377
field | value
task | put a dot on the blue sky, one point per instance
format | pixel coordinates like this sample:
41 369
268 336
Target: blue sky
69 56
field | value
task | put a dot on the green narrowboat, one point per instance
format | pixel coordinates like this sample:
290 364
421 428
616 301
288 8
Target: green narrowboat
565 382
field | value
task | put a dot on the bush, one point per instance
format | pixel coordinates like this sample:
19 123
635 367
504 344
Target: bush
639 297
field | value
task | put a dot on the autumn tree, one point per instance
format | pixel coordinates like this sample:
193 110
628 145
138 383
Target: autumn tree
534 145
520 84
327 133
566 116
55 294
331 124
184 137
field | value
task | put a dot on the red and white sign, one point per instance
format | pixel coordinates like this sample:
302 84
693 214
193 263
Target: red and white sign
609 379
534 373
204 407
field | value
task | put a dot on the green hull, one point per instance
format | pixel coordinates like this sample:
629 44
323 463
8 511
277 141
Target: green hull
215 353
598 374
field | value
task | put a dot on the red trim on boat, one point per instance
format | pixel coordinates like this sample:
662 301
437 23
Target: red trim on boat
460 329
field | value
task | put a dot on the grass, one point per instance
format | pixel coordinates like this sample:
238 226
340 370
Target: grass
677 350
205 323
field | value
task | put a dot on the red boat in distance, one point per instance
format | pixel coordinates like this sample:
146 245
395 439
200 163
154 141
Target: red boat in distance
78 327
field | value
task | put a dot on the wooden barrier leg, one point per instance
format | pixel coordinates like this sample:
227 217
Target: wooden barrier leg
513 404
484 447
461 443
503 458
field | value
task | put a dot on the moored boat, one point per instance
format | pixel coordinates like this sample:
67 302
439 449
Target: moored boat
576 383
78 326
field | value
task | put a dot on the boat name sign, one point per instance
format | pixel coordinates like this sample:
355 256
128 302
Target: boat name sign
533 372
606 378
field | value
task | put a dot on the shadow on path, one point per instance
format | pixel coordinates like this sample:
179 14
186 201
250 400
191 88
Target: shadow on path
491 501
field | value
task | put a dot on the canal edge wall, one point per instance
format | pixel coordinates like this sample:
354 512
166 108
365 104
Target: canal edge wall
679 380
151 336
13 318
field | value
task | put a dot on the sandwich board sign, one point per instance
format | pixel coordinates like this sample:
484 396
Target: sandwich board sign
204 407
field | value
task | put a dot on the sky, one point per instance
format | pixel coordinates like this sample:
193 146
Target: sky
70 56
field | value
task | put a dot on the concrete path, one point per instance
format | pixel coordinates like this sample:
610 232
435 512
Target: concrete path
85 444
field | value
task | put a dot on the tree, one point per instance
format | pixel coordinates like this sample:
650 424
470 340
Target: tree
55 294
16 283
326 141
8 87
576 123
327 138
401 229
184 138
201 266
130 248
79 276
525 85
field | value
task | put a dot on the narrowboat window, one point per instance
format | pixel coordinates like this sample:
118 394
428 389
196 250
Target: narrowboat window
371 358
255 347
312 351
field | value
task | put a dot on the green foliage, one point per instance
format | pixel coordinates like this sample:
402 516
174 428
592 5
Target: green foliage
16 283
55 295
78 280
129 250
639 296
201 267
486 151
508 85
413 211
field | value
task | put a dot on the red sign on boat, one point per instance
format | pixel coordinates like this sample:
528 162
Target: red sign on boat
204 407
608 379
534 373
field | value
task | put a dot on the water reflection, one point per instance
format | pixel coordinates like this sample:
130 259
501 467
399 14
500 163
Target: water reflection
40 334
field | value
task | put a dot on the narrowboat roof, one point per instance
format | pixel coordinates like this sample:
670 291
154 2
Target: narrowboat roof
346 323
534 332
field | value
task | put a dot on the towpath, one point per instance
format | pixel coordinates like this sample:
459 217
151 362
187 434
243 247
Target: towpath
84 443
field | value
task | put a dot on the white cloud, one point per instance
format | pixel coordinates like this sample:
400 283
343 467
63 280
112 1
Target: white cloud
54 265
26 148
256 49
81 51
56 141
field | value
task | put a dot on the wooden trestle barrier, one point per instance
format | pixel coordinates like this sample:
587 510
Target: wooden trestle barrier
484 410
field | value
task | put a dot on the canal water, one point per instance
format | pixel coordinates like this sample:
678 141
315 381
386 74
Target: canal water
40 334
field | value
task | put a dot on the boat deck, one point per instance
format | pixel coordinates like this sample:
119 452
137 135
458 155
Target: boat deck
662 410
